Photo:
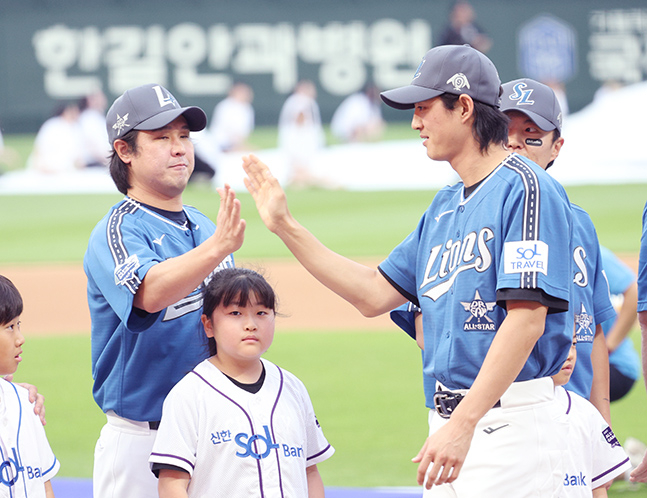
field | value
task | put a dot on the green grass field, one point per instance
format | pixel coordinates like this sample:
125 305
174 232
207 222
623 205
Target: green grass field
366 387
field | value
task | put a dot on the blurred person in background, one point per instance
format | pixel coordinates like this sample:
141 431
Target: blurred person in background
359 117
58 146
92 121
462 29
300 134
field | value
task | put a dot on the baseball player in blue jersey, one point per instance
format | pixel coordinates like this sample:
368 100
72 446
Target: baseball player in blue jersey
486 265
535 132
639 474
146 262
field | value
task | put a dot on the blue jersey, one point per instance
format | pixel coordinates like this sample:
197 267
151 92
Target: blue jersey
642 266
624 358
591 299
138 357
512 232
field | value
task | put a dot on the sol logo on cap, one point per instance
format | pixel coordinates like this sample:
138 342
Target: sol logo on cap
459 81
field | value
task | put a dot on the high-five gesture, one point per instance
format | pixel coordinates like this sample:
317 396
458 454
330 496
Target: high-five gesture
266 191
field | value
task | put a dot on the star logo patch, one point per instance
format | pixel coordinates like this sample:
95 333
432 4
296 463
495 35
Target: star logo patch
120 124
478 309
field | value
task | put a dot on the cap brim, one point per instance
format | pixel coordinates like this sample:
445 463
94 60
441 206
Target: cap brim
542 122
195 118
406 97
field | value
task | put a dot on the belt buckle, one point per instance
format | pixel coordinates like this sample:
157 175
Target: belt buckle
445 402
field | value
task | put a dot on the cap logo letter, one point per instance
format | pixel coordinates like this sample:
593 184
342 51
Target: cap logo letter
459 81
163 100
419 68
521 95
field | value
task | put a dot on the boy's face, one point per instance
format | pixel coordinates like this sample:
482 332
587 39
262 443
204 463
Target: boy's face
565 373
11 341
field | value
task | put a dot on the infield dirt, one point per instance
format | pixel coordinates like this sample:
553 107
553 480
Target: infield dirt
55 298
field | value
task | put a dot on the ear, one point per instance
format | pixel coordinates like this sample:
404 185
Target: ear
465 105
557 146
208 325
123 151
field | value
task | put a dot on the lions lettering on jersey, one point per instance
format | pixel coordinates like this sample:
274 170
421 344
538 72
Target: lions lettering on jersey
12 467
458 256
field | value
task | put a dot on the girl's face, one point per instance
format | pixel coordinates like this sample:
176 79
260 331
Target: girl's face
11 341
242 333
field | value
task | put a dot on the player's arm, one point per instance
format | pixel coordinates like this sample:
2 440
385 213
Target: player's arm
626 318
315 483
169 281
363 287
445 450
639 474
600 397
600 492
49 492
173 483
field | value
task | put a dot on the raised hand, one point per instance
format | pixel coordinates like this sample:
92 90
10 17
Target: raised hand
267 193
230 228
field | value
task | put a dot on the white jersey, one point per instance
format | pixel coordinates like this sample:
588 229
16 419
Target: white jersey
594 455
26 459
234 443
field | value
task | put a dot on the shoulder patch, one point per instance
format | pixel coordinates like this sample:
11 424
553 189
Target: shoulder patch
528 256
126 270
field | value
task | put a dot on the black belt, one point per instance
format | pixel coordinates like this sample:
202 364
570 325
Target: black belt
154 425
445 402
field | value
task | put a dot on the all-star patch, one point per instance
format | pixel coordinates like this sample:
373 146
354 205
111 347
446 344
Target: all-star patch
479 309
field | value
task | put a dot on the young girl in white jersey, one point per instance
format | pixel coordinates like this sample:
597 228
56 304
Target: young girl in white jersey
238 425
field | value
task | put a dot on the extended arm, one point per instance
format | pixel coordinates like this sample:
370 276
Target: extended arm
171 280
363 287
447 448
600 397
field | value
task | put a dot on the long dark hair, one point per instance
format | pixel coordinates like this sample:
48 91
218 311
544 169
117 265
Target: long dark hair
235 285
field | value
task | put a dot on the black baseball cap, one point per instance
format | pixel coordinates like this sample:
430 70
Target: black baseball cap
535 100
149 107
455 69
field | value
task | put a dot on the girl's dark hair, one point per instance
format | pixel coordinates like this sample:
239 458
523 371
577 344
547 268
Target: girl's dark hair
119 170
490 124
10 301
235 285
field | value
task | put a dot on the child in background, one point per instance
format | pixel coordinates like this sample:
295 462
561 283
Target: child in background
594 456
28 463
238 425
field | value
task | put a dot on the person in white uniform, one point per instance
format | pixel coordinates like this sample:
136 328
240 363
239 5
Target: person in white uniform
238 425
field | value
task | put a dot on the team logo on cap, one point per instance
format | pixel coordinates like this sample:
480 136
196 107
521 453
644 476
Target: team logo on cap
478 310
459 81
522 94
422 62
120 124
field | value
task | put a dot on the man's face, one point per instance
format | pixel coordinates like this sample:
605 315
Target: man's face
527 139
163 163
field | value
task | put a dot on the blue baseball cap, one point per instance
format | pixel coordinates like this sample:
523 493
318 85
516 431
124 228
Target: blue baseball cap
149 107
455 69
535 100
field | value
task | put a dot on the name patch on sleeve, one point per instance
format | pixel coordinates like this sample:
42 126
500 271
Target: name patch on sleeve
525 256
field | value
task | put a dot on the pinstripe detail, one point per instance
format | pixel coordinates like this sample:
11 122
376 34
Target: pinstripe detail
531 209
116 244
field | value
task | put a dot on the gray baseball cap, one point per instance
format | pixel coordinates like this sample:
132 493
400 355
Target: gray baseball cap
455 69
535 100
149 107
